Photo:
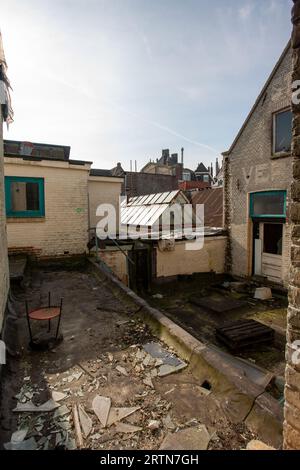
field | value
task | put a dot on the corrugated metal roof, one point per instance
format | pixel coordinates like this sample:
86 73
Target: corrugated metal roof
212 199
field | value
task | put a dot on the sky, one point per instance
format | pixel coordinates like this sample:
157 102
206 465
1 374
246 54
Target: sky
120 80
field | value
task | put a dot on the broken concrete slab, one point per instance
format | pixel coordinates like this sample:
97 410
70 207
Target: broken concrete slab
117 414
101 406
85 421
194 438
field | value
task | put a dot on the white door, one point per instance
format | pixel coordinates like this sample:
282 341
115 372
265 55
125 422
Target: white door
271 235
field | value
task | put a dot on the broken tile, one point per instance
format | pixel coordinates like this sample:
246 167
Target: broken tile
168 423
58 396
18 436
122 370
29 444
148 381
85 421
153 424
29 407
127 428
117 414
101 406
167 369
61 411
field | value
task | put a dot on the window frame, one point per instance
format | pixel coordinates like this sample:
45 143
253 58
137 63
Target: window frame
274 153
268 216
24 214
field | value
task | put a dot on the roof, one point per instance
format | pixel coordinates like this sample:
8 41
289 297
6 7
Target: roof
146 210
40 159
103 172
34 149
201 169
212 198
263 91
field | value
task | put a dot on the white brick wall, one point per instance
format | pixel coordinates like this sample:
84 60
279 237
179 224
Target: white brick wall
252 168
64 228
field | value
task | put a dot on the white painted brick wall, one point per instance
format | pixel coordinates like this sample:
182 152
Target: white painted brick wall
64 228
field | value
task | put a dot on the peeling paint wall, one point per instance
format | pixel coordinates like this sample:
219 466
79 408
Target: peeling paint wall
4 272
211 258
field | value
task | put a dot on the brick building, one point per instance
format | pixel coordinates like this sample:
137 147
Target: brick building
257 173
51 200
5 114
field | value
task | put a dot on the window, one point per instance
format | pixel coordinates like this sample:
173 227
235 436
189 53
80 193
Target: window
24 196
268 204
206 178
186 176
282 132
273 239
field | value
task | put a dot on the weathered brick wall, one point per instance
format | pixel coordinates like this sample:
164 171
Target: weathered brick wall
64 230
4 273
250 167
138 184
292 390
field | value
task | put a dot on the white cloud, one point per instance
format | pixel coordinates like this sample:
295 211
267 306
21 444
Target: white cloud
245 11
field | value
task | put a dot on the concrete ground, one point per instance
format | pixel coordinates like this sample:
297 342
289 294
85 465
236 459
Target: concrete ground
174 299
102 354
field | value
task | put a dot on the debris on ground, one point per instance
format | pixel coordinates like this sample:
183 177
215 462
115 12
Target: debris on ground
263 293
194 438
258 445
119 390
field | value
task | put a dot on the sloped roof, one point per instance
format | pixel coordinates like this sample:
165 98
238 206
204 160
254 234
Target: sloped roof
212 198
201 168
146 210
263 91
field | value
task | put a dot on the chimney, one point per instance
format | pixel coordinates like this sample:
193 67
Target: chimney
165 155
217 166
174 158
135 166
182 152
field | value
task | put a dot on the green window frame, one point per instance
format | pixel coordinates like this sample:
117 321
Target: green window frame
10 212
267 194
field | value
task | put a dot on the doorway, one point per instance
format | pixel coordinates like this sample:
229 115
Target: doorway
267 238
